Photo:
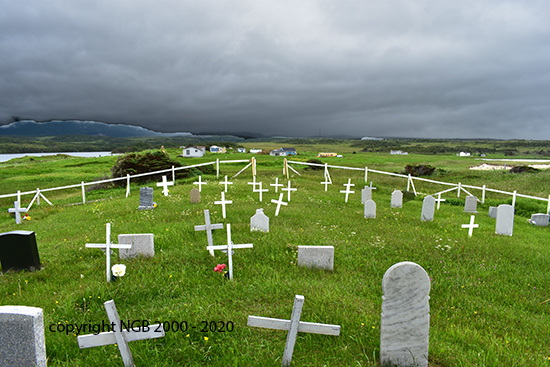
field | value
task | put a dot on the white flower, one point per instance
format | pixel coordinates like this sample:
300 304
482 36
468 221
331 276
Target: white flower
119 270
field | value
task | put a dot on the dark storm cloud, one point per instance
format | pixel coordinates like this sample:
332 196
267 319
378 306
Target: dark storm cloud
395 68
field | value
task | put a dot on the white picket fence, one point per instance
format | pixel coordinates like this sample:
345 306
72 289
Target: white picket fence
459 187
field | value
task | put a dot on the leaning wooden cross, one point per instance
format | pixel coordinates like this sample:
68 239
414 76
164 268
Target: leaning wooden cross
107 246
229 248
208 227
279 203
120 335
293 326
347 191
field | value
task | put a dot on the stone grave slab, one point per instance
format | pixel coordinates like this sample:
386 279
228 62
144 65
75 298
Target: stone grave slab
143 244
405 321
370 209
428 209
493 212
505 220
540 219
321 257
195 196
18 251
259 221
146 198
366 194
470 205
396 199
22 341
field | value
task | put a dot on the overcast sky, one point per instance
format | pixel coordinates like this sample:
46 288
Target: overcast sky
439 69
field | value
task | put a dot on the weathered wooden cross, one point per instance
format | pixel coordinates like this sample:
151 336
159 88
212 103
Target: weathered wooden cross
293 326
225 182
120 335
289 189
471 226
17 210
165 185
260 190
223 202
200 183
279 203
208 227
276 184
328 180
107 246
439 200
347 191
229 248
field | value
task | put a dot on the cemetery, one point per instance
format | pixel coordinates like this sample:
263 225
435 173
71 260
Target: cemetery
320 270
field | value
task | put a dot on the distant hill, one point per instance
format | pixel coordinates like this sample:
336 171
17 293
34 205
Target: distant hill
76 127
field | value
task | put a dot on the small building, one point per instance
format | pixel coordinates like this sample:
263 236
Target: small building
241 150
283 152
193 152
255 151
217 149
463 154
398 152
324 155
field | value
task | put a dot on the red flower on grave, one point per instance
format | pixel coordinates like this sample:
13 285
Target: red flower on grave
219 268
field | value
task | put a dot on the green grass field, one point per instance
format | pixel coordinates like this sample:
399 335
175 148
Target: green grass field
487 293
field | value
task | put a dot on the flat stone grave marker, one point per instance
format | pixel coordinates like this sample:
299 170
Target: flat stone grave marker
505 220
493 212
17 210
208 227
229 248
321 257
348 191
200 183
471 226
540 219
470 205
293 326
279 203
18 251
223 203
107 246
428 209
370 209
396 199
143 244
195 196
164 184
405 322
146 198
259 221
22 341
120 335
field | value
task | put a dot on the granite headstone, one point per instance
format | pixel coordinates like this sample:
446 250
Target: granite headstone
505 220
428 209
195 196
396 199
259 221
540 219
370 209
146 198
493 212
18 251
143 244
321 257
470 205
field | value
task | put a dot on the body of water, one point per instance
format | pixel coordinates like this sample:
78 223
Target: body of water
7 157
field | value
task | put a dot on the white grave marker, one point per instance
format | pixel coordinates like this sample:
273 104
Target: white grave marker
347 191
208 227
293 326
225 182
289 190
223 202
471 226
229 248
108 245
321 257
505 220
259 221
428 209
279 203
120 335
405 322
143 244
470 204
276 184
200 183
370 209
17 210
260 190
396 199
164 184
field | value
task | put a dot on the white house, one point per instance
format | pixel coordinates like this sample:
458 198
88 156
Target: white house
241 150
463 154
398 152
217 149
193 152
255 151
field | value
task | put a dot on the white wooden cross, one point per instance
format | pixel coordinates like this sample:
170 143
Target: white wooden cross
225 182
293 326
17 210
347 191
276 184
120 335
289 189
208 227
223 202
372 188
253 183
279 203
108 245
229 248
471 226
328 180
165 185
326 183
200 183
439 200
260 190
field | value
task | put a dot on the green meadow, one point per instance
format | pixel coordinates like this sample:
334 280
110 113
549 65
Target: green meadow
488 292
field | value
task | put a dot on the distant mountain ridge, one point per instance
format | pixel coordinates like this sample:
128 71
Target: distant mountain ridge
78 127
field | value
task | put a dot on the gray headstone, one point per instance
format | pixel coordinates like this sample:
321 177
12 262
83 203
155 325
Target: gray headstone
540 219
18 251
145 198
505 220
405 322
143 244
396 199
366 194
428 209
493 212
259 221
195 196
470 206
22 340
321 257
370 209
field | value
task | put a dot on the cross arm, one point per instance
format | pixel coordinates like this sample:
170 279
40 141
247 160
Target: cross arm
108 338
112 246
303 327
